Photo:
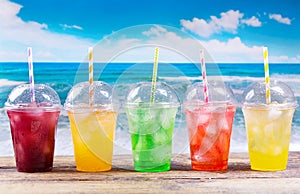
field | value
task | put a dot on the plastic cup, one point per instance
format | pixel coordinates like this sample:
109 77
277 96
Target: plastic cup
33 126
151 126
92 127
209 125
268 125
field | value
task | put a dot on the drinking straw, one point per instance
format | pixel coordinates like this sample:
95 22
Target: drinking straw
91 76
267 76
154 75
204 78
31 78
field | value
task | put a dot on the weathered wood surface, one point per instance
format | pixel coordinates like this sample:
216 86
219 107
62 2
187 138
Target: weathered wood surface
122 179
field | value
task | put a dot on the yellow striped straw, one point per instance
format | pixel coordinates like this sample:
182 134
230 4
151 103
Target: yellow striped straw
267 75
91 76
154 75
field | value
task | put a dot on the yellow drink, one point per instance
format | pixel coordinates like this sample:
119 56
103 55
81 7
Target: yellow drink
93 136
268 131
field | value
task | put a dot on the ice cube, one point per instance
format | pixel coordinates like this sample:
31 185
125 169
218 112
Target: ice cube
136 156
160 137
217 108
137 143
191 119
204 119
161 154
82 117
147 122
35 125
256 130
167 118
210 138
222 122
35 112
269 131
212 129
17 118
274 114
277 150
132 115
206 145
250 116
133 127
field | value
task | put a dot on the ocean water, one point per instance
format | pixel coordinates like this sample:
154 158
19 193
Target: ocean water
122 76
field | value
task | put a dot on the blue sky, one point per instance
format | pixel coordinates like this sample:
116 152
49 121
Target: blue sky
230 30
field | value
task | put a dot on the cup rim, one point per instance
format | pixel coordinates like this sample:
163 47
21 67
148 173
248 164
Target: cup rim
32 109
151 105
202 103
281 106
88 108
28 108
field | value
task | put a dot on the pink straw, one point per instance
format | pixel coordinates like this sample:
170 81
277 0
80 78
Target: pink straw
204 78
31 78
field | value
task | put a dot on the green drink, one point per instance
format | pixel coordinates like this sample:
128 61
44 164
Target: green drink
151 121
151 127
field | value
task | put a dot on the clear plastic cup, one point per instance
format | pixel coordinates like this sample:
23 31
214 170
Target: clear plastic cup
33 126
209 125
92 127
151 126
268 125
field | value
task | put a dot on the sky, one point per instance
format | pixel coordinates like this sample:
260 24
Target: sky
230 30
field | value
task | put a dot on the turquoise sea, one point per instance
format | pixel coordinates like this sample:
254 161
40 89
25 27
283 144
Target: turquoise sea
122 76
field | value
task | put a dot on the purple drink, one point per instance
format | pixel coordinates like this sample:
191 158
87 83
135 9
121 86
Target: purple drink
33 134
33 126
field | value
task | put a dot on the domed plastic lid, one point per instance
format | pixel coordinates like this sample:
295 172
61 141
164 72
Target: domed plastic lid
78 96
281 94
217 92
163 94
45 96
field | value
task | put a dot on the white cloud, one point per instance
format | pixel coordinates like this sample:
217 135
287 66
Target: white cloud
228 22
157 30
66 26
199 27
119 48
284 59
253 21
177 47
17 34
233 50
280 19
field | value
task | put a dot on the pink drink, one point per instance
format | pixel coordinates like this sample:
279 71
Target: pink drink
33 133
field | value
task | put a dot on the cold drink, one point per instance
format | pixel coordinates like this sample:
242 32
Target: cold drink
93 135
33 132
151 128
209 129
93 123
268 124
268 130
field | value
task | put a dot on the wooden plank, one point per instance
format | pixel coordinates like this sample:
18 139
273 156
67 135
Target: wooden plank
123 179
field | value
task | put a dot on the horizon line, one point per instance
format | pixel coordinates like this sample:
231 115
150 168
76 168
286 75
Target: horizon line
173 62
